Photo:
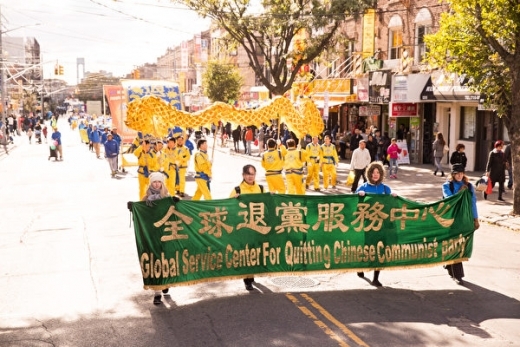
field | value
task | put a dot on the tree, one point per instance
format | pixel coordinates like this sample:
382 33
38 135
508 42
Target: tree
280 36
481 38
221 82
91 87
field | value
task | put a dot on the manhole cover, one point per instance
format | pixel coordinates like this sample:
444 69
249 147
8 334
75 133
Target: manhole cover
294 282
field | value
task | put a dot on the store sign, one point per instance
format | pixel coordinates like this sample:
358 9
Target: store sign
412 88
371 110
399 109
379 87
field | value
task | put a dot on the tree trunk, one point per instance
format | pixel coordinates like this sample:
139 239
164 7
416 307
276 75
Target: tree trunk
514 133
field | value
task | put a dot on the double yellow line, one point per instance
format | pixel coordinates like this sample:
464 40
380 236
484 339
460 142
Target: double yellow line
323 325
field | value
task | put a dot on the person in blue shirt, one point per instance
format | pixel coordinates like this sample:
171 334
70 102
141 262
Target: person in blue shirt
456 183
95 139
111 153
56 137
375 174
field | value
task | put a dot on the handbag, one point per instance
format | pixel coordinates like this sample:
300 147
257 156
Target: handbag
481 185
350 178
446 149
489 188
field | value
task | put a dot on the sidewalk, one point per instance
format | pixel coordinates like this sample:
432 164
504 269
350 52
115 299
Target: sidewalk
415 182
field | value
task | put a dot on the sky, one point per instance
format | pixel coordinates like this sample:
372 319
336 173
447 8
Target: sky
111 35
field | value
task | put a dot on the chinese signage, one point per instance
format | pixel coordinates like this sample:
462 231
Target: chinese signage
369 20
370 110
412 88
400 109
379 87
194 241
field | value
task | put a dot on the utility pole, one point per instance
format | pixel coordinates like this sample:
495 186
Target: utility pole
2 79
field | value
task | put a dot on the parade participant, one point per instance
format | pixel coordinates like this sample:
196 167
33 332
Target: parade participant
157 150
496 168
456 183
294 160
313 164
272 162
56 137
393 154
111 153
170 166
95 139
329 162
156 191
147 163
183 159
375 174
248 186
358 163
202 171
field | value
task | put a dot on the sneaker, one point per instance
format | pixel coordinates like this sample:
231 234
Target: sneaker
395 176
157 300
317 189
249 286
165 291
485 196
333 187
361 274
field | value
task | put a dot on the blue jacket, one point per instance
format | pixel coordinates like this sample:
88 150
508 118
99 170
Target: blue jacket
446 191
56 136
111 148
94 136
380 188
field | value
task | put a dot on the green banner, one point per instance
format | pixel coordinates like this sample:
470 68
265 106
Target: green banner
195 241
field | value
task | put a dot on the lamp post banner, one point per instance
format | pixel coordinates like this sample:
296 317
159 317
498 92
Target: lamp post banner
188 242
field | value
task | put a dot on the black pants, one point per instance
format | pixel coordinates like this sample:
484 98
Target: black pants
358 175
500 187
455 270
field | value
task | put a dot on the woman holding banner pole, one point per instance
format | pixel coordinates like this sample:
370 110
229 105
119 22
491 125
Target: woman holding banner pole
456 183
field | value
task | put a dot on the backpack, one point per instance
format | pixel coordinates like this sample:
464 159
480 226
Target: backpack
237 189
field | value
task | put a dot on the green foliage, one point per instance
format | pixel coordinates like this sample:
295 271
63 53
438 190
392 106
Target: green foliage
480 38
221 82
267 31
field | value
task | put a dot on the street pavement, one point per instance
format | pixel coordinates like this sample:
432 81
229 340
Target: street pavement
70 274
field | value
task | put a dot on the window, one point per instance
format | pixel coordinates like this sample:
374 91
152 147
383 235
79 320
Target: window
421 46
395 37
468 117
396 41
423 24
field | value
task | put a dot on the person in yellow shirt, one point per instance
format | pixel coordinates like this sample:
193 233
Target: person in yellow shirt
183 158
313 150
272 162
329 162
294 161
170 166
248 186
202 171
147 163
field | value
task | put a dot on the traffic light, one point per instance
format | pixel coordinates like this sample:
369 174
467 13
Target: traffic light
56 70
60 70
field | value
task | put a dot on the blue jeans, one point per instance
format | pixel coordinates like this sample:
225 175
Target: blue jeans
393 165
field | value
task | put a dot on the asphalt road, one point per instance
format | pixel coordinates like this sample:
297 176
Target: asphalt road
70 276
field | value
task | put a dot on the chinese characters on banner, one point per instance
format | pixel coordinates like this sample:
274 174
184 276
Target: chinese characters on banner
192 241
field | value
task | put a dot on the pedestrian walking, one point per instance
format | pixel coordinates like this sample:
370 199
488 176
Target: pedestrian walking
459 157
375 174
393 154
249 139
236 138
456 183
438 153
56 138
29 134
202 171
495 168
111 153
358 163
248 186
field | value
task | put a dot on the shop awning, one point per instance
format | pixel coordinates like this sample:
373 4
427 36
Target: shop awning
320 103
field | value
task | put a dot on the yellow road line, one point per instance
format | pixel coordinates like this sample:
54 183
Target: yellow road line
318 322
332 319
